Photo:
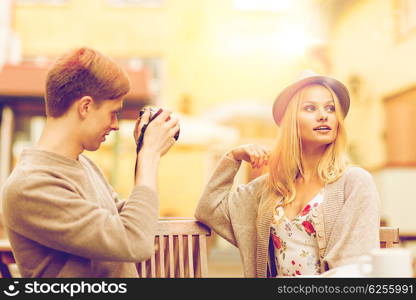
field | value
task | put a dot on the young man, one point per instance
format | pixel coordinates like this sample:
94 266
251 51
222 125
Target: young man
62 217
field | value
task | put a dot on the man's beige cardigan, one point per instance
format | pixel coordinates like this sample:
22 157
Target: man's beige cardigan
347 227
64 220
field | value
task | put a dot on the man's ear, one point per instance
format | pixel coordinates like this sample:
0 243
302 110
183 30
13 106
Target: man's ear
85 105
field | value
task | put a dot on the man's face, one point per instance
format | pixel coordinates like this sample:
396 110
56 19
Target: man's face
101 120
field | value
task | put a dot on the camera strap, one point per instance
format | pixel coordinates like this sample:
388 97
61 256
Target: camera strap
139 146
140 140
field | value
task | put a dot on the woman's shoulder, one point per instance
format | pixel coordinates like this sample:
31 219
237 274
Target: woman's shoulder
254 189
353 171
355 175
259 187
258 182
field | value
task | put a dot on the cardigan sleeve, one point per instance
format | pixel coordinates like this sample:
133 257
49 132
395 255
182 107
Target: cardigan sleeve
51 212
221 207
356 228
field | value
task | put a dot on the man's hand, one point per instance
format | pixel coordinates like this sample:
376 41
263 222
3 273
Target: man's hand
158 139
140 122
159 134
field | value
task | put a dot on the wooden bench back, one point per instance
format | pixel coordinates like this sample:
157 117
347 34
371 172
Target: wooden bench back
180 251
389 237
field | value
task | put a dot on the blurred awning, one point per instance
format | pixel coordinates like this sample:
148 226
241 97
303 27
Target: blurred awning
195 131
22 86
236 112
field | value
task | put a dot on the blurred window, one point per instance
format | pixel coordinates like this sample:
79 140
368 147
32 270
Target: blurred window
400 111
155 65
27 131
141 3
405 13
48 2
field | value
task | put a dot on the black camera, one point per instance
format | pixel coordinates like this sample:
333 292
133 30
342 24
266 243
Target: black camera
153 114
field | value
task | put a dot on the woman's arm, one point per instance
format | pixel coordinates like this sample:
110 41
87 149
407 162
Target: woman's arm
219 203
356 229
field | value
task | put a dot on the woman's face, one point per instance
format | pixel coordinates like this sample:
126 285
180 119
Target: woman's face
317 120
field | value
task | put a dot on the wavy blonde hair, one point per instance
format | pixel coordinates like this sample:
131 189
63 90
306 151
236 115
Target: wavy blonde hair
285 163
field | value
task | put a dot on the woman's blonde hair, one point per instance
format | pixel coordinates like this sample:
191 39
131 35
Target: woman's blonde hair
285 163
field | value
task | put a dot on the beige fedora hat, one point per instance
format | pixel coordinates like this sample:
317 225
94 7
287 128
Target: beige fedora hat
308 77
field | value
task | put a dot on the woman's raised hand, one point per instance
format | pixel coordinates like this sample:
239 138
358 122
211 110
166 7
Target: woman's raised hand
256 155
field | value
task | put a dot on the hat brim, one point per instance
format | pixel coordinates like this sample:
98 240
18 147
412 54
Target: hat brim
283 99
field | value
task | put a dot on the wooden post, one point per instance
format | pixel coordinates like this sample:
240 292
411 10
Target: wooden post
6 137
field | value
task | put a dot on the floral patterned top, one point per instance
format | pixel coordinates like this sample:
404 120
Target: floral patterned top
295 244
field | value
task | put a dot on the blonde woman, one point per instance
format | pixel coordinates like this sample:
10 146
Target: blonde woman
313 211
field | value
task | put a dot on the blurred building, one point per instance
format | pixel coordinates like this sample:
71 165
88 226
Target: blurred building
198 54
372 50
